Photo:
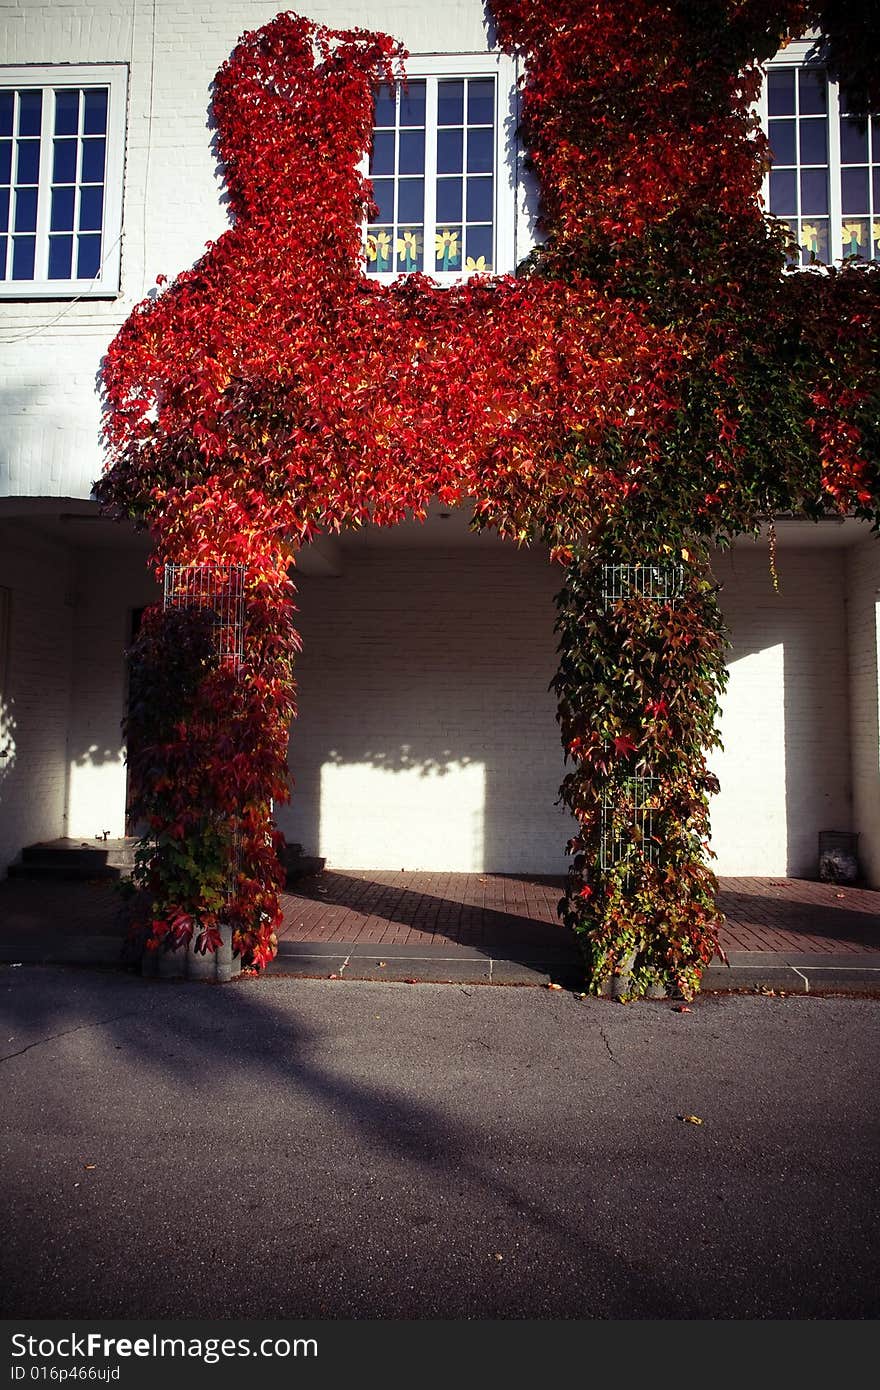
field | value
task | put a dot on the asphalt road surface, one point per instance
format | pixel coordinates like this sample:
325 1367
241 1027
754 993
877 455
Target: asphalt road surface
280 1148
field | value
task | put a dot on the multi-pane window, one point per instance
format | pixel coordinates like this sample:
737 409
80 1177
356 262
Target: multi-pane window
61 134
824 180
440 179
859 183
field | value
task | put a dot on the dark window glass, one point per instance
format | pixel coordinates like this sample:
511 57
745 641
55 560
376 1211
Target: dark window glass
93 161
449 200
5 161
64 163
450 103
812 91
480 151
853 142
7 109
854 190
95 113
62 210
67 112
91 209
23 254
814 142
481 101
412 104
411 155
411 200
4 209
479 200
814 191
28 162
385 107
383 196
783 192
449 152
26 210
782 141
30 113
60 256
780 92
88 257
382 157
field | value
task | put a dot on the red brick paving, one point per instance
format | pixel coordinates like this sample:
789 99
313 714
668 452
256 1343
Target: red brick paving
390 908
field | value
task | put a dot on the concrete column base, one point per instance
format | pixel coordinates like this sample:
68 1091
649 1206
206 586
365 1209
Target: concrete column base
215 967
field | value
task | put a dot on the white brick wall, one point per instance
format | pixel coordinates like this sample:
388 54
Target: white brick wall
784 770
110 584
34 705
427 736
863 623
65 686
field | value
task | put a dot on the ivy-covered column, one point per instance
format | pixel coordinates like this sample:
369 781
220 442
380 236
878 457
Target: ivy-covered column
211 701
642 647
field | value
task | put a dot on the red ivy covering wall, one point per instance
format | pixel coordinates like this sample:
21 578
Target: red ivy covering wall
648 378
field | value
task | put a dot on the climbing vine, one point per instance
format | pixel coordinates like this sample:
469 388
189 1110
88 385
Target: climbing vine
648 382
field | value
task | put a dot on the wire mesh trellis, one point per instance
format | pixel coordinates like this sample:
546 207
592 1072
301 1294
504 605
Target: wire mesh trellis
627 822
662 582
217 590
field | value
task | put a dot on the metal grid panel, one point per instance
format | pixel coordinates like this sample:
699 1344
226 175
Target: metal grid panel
662 582
631 810
218 590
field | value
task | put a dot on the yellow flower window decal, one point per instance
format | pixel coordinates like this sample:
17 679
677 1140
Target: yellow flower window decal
479 264
408 248
446 249
810 238
378 250
852 238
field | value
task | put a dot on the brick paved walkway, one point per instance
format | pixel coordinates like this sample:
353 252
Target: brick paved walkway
504 910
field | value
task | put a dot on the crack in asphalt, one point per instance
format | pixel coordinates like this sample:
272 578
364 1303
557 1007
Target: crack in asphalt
608 1047
81 1027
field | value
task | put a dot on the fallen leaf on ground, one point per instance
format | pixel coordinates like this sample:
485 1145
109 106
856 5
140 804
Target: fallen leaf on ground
90 1167
553 985
691 1119
681 1009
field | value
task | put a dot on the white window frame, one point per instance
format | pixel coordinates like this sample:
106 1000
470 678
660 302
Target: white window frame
434 68
113 76
794 56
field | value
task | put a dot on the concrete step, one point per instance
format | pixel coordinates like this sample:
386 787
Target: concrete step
115 853
76 872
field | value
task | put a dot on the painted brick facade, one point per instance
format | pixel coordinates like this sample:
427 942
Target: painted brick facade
34 705
785 767
110 585
427 736
863 625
